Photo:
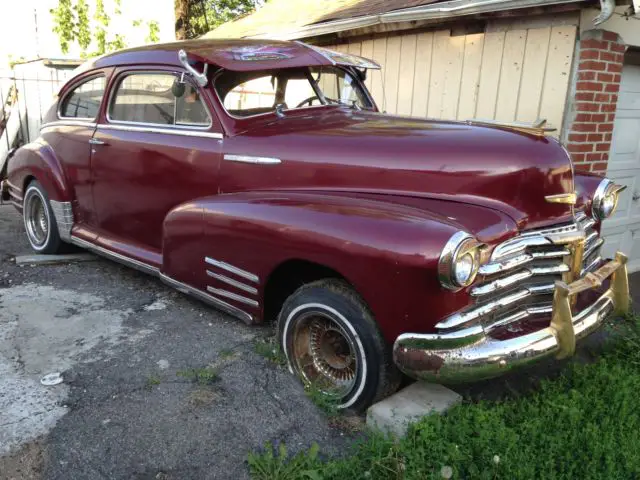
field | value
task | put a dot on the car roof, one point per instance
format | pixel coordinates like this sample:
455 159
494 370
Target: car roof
233 54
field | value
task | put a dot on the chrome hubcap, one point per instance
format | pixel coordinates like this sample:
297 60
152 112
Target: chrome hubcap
36 220
324 355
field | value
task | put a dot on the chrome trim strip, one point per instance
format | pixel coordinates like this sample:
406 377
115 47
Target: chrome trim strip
597 244
501 266
230 268
252 159
15 187
233 296
67 123
536 238
205 297
234 283
591 266
527 312
503 282
541 288
16 204
170 131
16 196
561 268
63 213
130 262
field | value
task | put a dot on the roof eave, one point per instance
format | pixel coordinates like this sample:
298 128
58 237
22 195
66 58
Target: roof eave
442 10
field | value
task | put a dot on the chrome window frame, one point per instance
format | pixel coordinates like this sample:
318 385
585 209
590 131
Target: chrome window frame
372 108
77 85
157 126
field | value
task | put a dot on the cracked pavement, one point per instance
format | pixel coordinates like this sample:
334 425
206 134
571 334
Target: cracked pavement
120 337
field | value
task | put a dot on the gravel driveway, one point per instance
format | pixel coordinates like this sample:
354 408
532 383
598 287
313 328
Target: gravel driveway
124 342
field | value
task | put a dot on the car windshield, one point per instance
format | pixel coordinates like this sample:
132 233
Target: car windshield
253 93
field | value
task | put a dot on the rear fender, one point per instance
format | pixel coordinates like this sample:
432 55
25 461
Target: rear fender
387 251
38 160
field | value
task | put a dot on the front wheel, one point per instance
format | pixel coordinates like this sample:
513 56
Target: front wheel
332 342
39 220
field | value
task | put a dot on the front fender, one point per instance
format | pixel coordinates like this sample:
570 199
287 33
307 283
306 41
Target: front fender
387 250
37 159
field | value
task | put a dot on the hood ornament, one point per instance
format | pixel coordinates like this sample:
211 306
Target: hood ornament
566 198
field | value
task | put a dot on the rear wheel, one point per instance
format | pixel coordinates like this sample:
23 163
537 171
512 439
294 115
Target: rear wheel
39 220
332 342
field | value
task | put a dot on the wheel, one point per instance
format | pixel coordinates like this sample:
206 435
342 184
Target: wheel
39 221
331 341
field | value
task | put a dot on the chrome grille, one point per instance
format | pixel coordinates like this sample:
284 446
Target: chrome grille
518 281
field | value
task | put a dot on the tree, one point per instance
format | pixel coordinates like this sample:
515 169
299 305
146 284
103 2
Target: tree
197 17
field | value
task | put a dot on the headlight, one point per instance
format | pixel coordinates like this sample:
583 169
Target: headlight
459 261
605 200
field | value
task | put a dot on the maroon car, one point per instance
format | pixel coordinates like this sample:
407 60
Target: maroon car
260 177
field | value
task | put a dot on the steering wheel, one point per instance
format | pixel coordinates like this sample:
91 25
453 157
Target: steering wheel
307 100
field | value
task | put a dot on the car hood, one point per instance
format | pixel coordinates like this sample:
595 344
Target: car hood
345 150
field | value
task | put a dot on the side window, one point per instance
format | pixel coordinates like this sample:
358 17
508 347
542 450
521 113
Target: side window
254 96
299 92
159 99
84 100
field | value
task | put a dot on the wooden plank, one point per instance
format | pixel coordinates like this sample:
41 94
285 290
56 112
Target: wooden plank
470 76
490 75
367 52
407 70
556 79
535 59
510 75
422 73
441 53
392 74
354 48
380 56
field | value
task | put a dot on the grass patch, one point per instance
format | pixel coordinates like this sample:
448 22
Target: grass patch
269 348
201 376
584 424
328 402
226 353
152 381
279 466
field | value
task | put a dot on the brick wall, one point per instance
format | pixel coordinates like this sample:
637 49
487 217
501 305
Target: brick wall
593 108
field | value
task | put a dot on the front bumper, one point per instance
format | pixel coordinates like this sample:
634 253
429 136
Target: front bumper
470 354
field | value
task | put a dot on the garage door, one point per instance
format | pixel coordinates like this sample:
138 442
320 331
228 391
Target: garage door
622 231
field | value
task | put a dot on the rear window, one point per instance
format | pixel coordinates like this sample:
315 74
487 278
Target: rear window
158 99
84 100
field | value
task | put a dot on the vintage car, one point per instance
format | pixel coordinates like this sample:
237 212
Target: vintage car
260 177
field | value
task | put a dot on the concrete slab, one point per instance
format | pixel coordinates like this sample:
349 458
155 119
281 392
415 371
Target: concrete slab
53 259
395 413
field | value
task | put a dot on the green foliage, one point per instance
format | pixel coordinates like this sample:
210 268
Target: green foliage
327 401
268 348
203 16
201 376
152 381
73 24
154 32
584 424
267 466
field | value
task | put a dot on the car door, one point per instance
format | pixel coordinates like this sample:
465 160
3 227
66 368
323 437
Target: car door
69 136
157 146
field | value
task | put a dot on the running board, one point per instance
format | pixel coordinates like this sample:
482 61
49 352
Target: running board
177 285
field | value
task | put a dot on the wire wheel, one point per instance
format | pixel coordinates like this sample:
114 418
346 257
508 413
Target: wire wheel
323 354
36 219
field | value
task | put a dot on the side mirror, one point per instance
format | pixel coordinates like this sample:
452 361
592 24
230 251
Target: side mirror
200 77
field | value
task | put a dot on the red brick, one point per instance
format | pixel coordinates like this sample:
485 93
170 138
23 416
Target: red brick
619 57
608 107
589 87
587 107
603 147
587 75
605 156
614 98
594 157
614 67
593 137
585 96
612 87
578 157
599 167
602 97
580 147
617 78
611 36
593 65
582 117
580 137
607 137
592 54
607 56
605 127
617 47
593 43
599 117
605 77
584 127
611 117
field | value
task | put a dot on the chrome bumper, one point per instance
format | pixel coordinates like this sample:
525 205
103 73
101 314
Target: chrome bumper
471 355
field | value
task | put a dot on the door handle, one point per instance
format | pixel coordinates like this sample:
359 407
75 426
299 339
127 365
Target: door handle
95 141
